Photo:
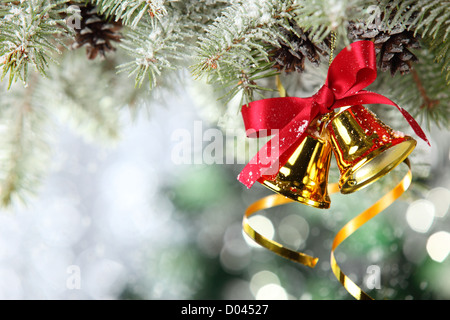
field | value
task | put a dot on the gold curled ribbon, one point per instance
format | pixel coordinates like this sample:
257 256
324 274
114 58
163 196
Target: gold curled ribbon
349 228
267 203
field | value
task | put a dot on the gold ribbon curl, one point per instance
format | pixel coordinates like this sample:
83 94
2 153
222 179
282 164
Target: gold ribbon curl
348 229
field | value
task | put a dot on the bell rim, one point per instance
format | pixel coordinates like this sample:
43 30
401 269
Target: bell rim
351 171
312 203
297 198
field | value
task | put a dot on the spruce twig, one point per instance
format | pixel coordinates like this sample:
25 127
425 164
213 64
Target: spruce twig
234 50
131 12
24 150
30 32
428 20
427 101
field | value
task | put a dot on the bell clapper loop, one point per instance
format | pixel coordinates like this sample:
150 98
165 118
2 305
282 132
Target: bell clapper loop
321 126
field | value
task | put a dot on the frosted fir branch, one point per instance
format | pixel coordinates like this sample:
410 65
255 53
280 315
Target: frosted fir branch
198 14
441 51
241 29
158 46
69 94
431 90
234 50
423 92
86 95
428 19
31 31
425 17
24 147
321 17
155 45
130 12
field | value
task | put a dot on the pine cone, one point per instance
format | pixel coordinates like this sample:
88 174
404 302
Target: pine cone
289 59
96 32
391 46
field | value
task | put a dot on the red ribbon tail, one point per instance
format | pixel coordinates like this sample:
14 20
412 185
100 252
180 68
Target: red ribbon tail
263 163
416 127
246 176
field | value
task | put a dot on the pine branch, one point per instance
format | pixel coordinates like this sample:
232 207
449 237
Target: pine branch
196 15
429 19
321 17
156 45
424 92
130 12
24 149
425 17
88 96
161 45
234 50
441 51
30 32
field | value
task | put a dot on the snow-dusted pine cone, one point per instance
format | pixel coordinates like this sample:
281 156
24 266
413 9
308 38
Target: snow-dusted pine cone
392 46
289 59
95 32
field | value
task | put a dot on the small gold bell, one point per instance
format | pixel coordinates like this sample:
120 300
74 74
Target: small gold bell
304 177
365 148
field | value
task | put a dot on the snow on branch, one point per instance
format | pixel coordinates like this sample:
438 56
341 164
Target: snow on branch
234 48
130 12
30 31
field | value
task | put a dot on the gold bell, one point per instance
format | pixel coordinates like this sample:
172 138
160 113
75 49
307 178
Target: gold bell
304 177
365 148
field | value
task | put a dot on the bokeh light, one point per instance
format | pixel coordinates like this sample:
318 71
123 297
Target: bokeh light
438 246
265 285
420 215
440 197
262 225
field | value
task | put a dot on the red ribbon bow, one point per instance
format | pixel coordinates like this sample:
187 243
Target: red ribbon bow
353 69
